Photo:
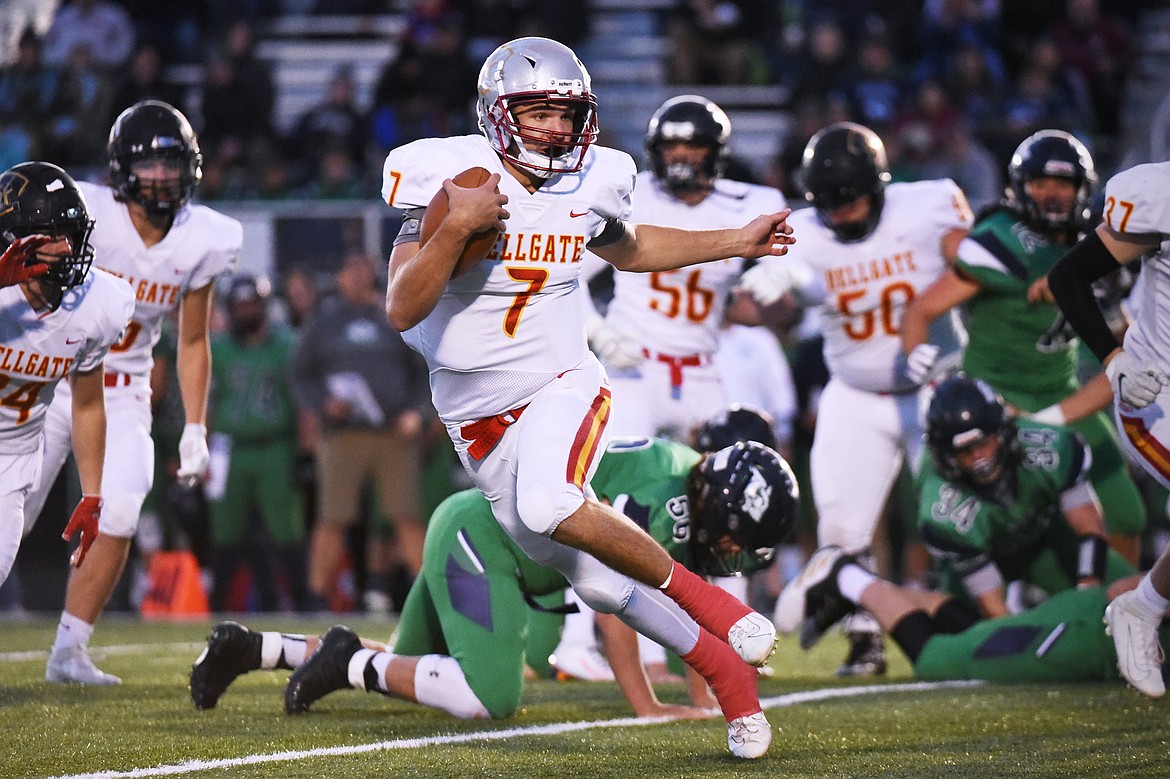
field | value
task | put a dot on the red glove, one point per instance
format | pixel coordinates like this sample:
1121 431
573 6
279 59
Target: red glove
14 262
85 521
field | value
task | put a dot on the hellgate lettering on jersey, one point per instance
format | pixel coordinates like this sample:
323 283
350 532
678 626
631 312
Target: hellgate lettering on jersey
32 364
537 247
858 273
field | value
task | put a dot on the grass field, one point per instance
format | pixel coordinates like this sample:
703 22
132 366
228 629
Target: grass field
825 727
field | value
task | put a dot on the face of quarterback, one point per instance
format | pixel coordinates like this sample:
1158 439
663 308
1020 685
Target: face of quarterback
543 123
1053 196
158 179
981 460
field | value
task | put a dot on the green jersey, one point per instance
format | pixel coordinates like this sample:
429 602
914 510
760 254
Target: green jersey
968 531
1014 345
646 479
253 401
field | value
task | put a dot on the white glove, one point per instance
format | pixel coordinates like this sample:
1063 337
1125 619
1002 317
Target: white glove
612 346
920 362
1135 384
193 454
769 280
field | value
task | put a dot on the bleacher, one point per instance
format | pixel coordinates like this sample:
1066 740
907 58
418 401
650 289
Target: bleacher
624 54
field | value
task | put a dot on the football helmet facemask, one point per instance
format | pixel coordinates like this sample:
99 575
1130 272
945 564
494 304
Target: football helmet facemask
737 422
843 163
531 70
152 130
963 413
41 198
1053 154
743 501
693 119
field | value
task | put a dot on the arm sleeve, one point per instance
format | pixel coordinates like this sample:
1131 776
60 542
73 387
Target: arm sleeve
1071 283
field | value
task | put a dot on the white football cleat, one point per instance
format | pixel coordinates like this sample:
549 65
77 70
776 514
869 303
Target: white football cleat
1139 653
748 737
74 666
753 638
573 661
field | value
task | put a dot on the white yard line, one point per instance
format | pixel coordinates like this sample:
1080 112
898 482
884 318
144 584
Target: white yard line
107 651
778 702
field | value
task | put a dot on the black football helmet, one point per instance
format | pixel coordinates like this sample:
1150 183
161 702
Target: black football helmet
694 119
843 163
737 422
743 495
963 412
154 130
1055 154
39 197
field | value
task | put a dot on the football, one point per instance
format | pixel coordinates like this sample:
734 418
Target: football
479 244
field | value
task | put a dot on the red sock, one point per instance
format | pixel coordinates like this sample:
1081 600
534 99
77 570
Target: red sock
732 680
708 605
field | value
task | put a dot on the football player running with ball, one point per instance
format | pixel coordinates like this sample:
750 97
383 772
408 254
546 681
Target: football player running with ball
523 399
872 247
170 252
60 317
1136 227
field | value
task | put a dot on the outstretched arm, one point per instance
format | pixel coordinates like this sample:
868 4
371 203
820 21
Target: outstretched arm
647 247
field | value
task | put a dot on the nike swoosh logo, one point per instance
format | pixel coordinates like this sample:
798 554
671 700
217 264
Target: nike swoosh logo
71 341
574 214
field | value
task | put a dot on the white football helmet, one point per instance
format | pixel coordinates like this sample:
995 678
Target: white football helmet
532 69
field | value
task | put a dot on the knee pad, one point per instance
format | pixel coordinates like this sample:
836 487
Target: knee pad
606 593
120 513
544 506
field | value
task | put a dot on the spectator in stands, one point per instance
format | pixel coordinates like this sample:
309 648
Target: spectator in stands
143 80
335 123
363 399
877 89
336 178
977 85
271 175
960 156
825 65
1036 101
1096 46
949 25
102 27
403 109
238 96
924 124
712 41
173 26
27 88
78 125
19 18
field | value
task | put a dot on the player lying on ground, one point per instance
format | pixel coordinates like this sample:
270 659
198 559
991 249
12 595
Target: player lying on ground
1061 640
461 640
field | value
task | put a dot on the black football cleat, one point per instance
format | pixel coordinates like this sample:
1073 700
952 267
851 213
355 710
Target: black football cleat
325 671
811 603
867 655
231 650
